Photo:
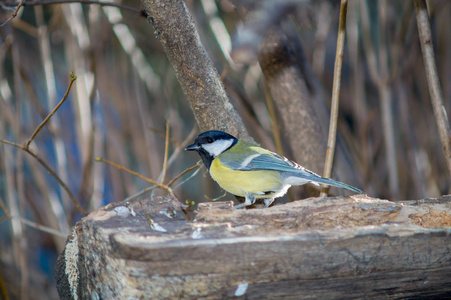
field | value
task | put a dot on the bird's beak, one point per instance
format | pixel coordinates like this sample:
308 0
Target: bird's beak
192 147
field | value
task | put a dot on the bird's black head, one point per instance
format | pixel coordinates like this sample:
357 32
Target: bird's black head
212 143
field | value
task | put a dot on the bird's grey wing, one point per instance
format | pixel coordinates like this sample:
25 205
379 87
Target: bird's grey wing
293 173
270 161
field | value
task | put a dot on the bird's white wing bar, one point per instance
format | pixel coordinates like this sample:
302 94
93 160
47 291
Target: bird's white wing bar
274 162
247 161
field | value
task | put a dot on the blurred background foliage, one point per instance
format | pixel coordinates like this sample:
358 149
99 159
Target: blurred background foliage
126 91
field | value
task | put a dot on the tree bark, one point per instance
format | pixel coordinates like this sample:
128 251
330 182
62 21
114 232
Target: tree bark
327 248
175 28
293 97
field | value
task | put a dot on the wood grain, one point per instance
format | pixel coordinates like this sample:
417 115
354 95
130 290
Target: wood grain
326 248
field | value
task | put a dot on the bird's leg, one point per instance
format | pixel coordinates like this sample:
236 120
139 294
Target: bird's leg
248 200
268 202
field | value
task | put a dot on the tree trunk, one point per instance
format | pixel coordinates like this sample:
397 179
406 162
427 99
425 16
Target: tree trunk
175 28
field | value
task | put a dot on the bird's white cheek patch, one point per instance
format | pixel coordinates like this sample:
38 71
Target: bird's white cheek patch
217 147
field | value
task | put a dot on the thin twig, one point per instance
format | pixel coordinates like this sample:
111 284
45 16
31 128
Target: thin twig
36 157
171 182
165 187
3 218
163 134
184 172
50 171
182 145
7 213
166 150
140 193
40 227
38 129
435 89
16 11
335 95
179 146
186 179
51 2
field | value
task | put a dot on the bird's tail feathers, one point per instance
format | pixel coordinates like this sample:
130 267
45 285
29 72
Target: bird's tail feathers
338 184
304 176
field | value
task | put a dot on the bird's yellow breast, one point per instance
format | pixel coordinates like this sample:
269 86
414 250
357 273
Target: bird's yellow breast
241 182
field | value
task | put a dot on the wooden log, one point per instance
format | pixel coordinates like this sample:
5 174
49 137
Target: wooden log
355 247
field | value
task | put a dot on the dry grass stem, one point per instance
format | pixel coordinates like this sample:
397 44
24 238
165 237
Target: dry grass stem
435 89
166 150
331 141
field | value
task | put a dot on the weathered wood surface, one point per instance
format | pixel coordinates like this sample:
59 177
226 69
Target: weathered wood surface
357 247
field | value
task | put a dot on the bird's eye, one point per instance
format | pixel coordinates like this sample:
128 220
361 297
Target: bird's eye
209 140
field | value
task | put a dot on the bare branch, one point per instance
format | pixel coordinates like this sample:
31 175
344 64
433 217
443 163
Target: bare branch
50 171
51 2
175 28
199 164
160 185
72 79
19 5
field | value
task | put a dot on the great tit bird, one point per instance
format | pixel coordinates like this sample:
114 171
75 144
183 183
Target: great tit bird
249 171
